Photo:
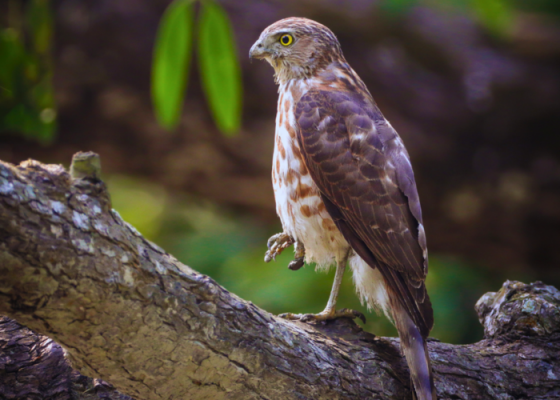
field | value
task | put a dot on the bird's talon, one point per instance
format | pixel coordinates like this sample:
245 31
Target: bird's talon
296 264
290 316
325 315
272 240
276 244
307 317
354 313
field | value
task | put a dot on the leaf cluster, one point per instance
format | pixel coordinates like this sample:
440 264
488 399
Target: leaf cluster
217 58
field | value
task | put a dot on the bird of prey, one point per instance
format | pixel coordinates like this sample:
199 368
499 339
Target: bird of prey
344 187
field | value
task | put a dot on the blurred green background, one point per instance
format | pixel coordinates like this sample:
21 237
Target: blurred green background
230 248
472 86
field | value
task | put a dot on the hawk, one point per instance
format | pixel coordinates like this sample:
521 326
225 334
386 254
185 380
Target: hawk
344 187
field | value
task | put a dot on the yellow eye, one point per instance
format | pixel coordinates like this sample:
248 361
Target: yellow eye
286 40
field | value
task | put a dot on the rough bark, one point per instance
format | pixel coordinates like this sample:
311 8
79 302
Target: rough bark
33 366
128 313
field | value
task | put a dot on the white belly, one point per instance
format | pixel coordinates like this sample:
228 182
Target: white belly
299 205
302 212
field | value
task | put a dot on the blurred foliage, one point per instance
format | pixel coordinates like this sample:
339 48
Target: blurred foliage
143 204
551 7
171 62
496 16
231 249
27 103
26 92
219 66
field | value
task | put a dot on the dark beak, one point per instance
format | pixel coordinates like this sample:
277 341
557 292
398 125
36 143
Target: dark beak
257 50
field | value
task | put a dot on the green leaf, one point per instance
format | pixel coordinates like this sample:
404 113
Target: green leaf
171 62
495 15
219 67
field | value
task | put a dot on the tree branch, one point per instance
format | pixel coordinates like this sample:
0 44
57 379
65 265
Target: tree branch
131 314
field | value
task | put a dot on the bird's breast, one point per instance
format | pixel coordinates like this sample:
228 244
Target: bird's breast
298 202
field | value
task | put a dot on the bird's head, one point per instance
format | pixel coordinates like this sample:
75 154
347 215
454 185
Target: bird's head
296 48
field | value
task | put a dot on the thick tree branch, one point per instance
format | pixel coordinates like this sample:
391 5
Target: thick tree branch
34 367
132 315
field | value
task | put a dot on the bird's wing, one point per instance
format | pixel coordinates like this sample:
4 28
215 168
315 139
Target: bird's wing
366 181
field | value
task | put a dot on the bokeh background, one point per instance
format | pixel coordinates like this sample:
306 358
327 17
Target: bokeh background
472 86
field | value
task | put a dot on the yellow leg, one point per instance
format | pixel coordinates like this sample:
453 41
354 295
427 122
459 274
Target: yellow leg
330 311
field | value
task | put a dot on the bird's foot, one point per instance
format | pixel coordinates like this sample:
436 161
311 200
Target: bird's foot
298 261
325 315
276 244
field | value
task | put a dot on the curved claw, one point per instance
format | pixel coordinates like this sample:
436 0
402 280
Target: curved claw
272 240
276 244
267 257
348 313
279 239
325 315
291 316
296 264
308 317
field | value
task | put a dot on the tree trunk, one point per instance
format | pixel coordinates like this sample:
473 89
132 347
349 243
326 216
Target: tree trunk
130 314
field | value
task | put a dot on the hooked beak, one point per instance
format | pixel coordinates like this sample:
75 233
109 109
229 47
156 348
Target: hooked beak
257 50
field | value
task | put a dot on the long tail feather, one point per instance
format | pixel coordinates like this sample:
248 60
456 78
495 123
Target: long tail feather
415 350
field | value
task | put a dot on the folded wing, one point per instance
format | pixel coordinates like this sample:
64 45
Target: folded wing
364 174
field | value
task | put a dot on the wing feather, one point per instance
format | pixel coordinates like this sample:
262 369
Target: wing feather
366 181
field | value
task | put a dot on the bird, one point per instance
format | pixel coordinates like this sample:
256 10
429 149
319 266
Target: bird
344 187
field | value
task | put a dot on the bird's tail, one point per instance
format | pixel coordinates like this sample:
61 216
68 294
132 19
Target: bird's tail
375 289
415 350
